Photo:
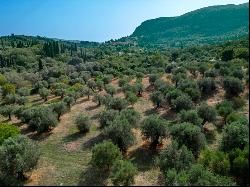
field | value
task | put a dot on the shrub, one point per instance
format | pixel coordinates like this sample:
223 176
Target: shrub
232 86
176 157
234 135
23 91
182 102
123 173
234 116
8 88
191 116
10 99
18 155
105 154
207 113
197 175
154 128
238 102
8 130
224 108
216 161
3 80
153 78
131 97
190 87
82 123
190 136
21 100
99 99
120 133
227 54
239 160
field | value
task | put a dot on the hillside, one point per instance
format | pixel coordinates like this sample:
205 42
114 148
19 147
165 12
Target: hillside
207 25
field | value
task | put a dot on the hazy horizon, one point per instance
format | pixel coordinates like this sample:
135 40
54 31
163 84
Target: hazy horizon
89 20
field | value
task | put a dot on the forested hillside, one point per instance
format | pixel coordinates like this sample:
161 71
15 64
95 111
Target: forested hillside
204 26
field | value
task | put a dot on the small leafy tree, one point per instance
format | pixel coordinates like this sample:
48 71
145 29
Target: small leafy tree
190 136
105 154
157 98
207 113
18 155
232 86
176 157
216 161
7 111
117 104
131 98
224 108
44 93
60 108
107 116
110 89
154 128
120 133
191 116
207 85
182 102
132 116
123 173
68 100
234 135
82 123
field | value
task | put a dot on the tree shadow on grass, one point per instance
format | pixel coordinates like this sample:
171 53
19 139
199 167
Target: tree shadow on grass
91 142
93 177
73 137
89 108
143 158
151 111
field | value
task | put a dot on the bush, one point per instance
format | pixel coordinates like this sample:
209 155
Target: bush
107 116
227 54
154 128
131 97
23 91
234 135
82 123
191 88
123 173
153 78
18 155
224 108
8 88
120 133
176 157
191 116
105 154
21 100
182 102
216 161
8 130
157 98
68 100
207 113
197 176
234 116
239 160
238 102
232 86
190 136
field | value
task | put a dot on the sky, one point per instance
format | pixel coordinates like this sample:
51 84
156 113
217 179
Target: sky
90 20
